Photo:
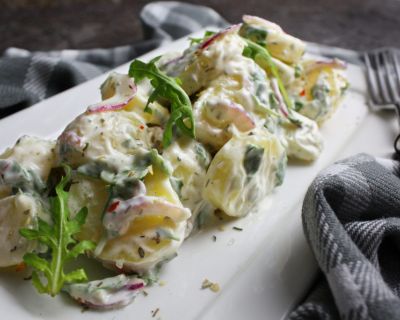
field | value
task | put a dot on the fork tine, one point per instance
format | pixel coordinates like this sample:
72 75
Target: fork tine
396 67
390 75
372 81
378 59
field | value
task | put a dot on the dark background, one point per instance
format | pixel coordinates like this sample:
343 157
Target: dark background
60 24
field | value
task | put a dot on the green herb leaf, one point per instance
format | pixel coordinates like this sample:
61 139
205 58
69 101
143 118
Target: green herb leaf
255 34
166 88
264 59
206 35
60 244
252 159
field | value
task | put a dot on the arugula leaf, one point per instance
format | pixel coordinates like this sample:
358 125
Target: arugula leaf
264 59
167 88
61 247
206 35
258 35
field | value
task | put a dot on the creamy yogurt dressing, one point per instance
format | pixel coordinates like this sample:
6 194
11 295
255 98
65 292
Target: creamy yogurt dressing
108 293
243 171
189 160
141 233
112 138
16 212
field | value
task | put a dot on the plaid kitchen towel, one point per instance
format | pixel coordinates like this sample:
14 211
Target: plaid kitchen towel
28 77
351 218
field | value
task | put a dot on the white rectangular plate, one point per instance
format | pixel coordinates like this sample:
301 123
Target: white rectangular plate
262 271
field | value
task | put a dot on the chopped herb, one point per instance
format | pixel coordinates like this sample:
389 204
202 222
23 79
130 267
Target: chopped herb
141 252
19 178
280 172
252 159
344 88
298 105
202 156
154 313
214 238
237 229
207 284
297 71
264 59
61 246
166 87
255 34
84 309
272 101
177 185
86 146
319 92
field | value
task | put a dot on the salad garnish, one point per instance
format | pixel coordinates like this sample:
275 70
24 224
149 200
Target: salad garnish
61 246
263 58
169 88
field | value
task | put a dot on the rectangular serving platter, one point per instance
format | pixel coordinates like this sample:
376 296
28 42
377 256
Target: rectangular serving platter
262 270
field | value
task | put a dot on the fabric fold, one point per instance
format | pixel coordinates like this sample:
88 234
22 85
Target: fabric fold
29 77
351 219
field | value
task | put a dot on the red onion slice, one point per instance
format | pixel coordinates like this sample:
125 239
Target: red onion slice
118 90
216 36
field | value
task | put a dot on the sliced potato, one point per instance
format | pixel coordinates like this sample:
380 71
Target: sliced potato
16 212
92 194
111 138
143 232
304 142
244 171
280 44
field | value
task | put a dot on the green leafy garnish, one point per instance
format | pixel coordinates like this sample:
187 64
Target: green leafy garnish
252 159
166 87
264 59
206 35
61 247
255 34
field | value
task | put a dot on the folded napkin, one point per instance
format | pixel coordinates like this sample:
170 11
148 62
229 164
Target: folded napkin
28 77
351 218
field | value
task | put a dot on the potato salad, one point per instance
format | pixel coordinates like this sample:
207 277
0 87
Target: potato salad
171 142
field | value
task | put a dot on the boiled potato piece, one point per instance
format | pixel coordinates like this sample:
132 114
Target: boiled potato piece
280 44
134 234
143 232
16 212
159 185
92 194
26 165
244 171
304 141
110 138
189 160
320 89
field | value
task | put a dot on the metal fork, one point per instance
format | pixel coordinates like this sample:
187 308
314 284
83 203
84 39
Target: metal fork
383 76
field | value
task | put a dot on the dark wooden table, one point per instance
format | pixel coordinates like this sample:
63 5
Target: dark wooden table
59 24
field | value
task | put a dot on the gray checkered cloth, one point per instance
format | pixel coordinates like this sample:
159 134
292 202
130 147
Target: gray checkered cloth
28 77
350 213
351 218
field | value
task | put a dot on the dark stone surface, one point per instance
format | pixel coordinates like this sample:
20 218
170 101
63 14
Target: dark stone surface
52 24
